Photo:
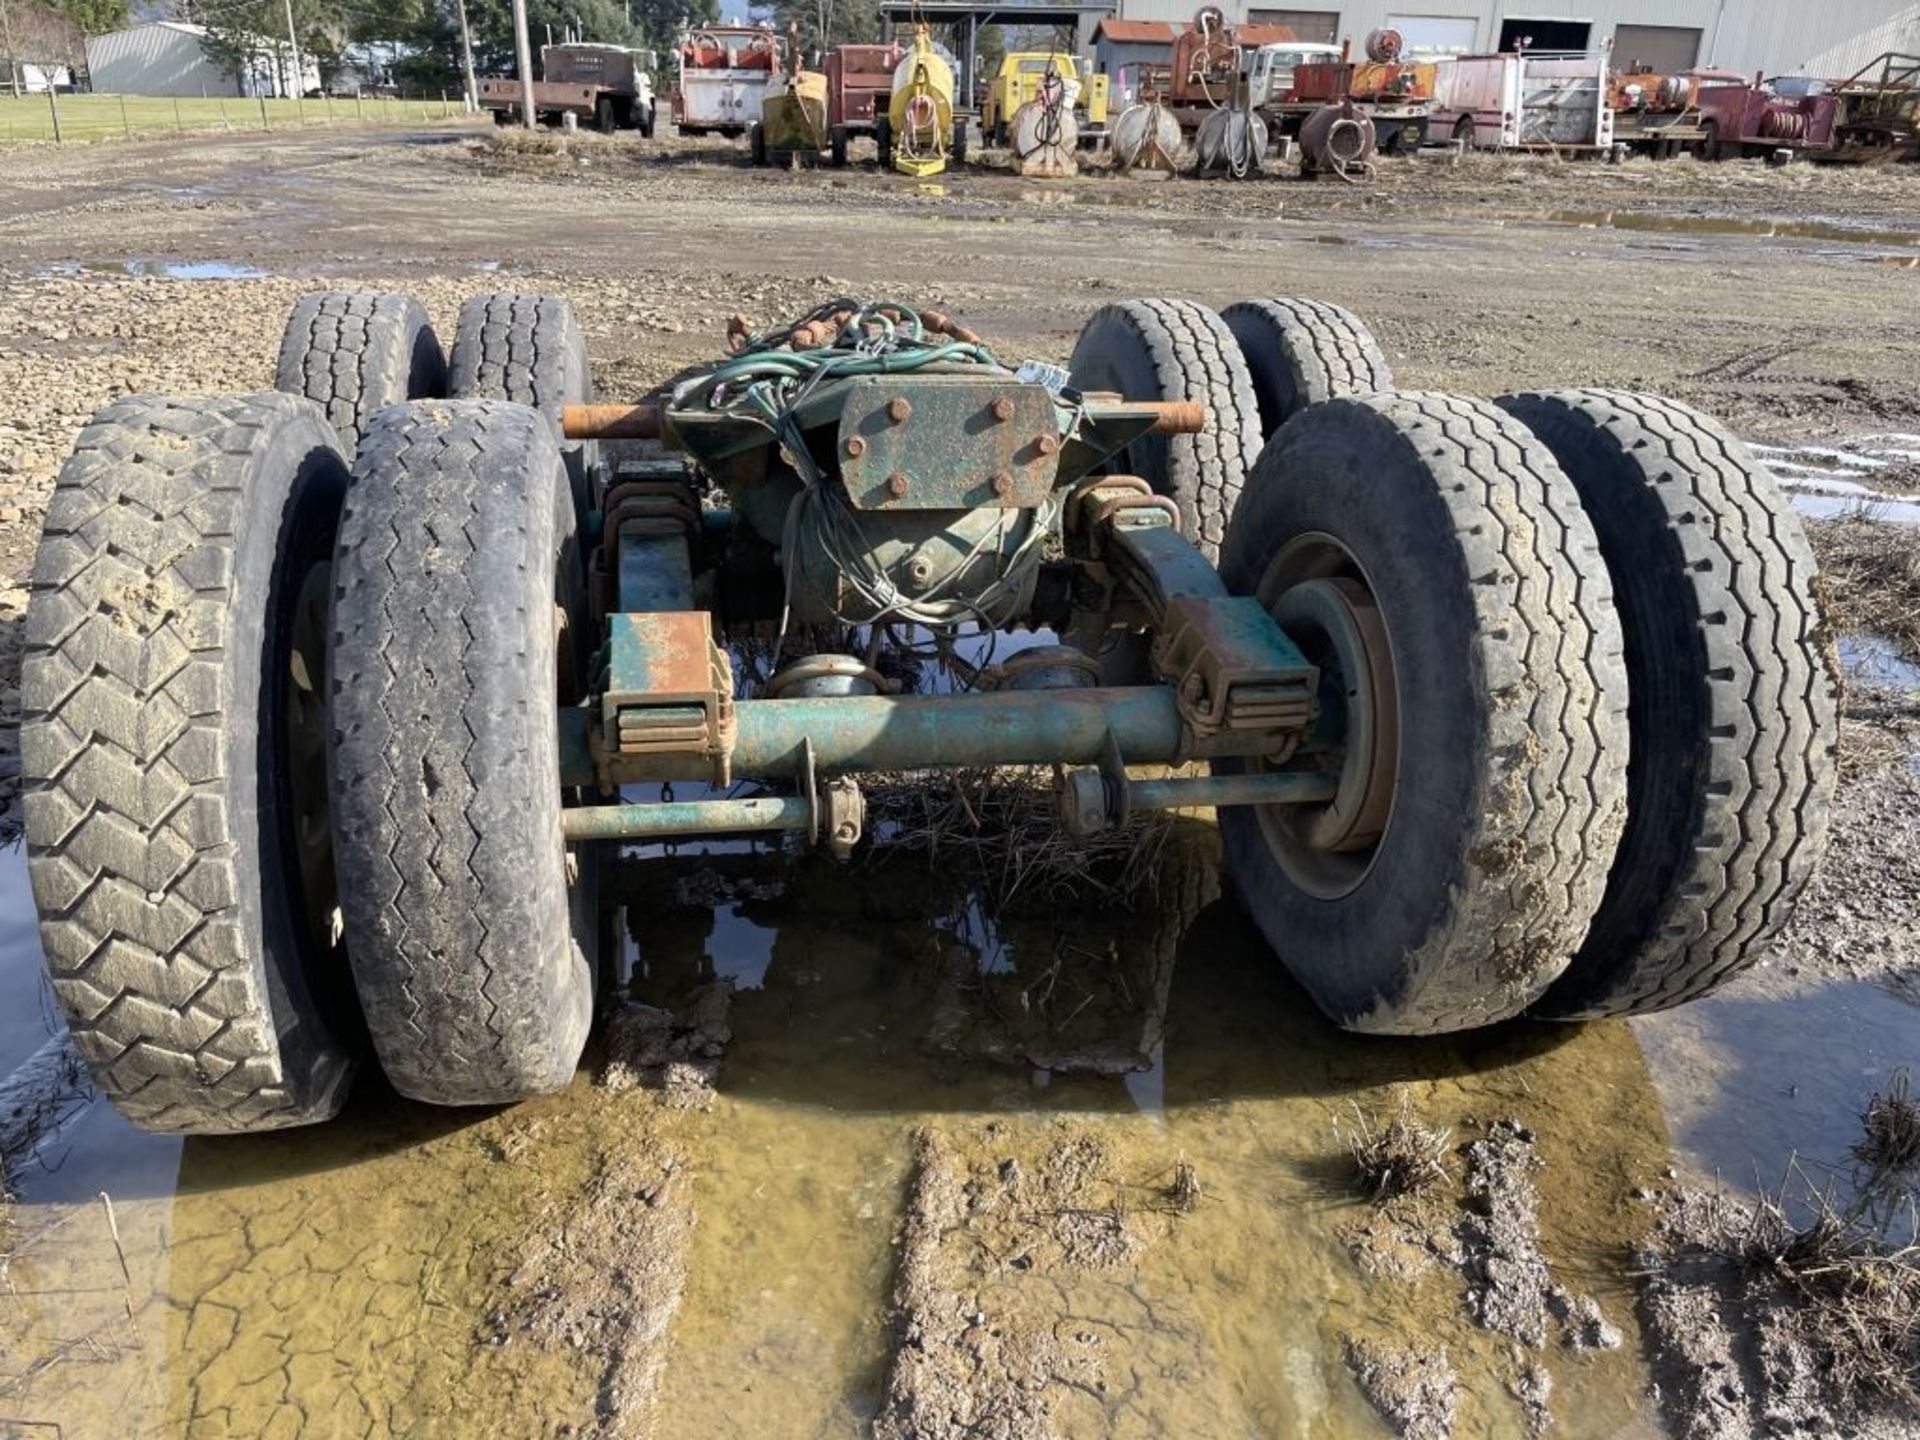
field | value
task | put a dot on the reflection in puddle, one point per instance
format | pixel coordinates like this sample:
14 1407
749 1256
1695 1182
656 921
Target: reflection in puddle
1877 476
161 269
1761 227
1774 1070
1876 660
344 1278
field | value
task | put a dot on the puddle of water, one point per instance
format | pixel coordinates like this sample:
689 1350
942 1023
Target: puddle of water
1764 228
1876 660
27 1017
351 1268
1819 506
1838 480
162 269
1776 1071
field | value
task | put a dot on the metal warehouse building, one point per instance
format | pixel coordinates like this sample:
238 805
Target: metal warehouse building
1833 38
164 57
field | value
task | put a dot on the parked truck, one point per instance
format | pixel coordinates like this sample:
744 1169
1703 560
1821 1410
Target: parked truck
1023 78
722 76
1660 115
607 86
1397 96
1766 115
859 80
1524 100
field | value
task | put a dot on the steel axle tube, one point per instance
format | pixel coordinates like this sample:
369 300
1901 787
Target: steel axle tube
681 819
912 732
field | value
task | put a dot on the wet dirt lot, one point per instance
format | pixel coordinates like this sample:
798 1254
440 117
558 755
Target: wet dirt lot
1062 1170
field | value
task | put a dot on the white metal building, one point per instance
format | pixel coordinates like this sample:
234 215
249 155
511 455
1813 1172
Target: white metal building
161 58
1781 37
164 57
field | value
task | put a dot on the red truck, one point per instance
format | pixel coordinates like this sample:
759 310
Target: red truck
1740 119
859 83
606 86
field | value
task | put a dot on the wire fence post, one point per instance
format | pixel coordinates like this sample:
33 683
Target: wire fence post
178 126
53 106
126 126
359 114
261 96
326 103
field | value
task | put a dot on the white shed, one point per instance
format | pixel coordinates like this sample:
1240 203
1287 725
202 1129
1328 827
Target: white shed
161 58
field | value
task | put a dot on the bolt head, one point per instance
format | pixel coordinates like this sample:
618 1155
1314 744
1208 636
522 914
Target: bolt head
896 484
898 409
1003 409
1003 484
1047 444
856 447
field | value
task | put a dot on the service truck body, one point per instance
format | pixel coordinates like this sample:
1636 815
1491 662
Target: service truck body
1524 101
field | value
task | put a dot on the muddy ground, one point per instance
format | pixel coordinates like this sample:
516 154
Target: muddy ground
939 1171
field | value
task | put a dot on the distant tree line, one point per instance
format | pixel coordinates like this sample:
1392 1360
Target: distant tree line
411 44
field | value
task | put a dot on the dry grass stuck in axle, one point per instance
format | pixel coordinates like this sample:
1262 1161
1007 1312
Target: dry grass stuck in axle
997 828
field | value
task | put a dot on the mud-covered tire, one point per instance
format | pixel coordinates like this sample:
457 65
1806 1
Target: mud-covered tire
1733 718
1304 352
156 686
355 352
1178 350
757 144
1509 787
445 758
528 349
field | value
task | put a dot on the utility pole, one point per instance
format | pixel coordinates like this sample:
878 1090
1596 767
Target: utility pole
293 43
13 61
523 56
466 57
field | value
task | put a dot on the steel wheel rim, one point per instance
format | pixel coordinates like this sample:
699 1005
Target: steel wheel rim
1320 595
306 730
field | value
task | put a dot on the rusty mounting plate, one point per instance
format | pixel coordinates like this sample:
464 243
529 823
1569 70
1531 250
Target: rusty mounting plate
669 688
947 442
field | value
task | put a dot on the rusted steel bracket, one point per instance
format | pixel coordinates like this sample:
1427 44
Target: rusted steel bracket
1219 654
1232 668
669 694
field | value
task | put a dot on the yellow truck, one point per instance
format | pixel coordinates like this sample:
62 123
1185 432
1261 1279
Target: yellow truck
1021 78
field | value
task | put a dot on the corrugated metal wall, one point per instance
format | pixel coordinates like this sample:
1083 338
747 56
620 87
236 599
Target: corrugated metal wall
154 60
1778 36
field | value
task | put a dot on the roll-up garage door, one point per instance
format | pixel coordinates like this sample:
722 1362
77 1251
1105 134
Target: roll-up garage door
1663 49
1317 27
1437 34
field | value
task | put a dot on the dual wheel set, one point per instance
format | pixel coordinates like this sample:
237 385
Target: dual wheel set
293 660
1590 719
289 687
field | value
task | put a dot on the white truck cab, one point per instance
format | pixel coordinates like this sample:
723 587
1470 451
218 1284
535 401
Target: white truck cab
1269 69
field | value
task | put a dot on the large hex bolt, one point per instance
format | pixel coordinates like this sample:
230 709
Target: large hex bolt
1082 802
846 816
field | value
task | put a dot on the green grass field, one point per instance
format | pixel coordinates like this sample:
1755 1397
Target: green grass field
116 117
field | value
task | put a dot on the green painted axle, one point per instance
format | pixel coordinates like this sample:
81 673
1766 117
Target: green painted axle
673 819
681 819
913 732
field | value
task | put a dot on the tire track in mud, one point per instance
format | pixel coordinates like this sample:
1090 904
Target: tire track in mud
1017 1309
